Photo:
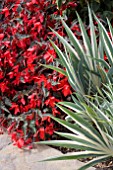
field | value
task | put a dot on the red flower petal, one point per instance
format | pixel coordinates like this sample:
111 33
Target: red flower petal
20 143
41 133
1 36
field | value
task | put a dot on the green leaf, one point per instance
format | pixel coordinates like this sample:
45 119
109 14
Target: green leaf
69 144
93 35
59 3
73 106
69 70
55 68
103 74
107 43
87 43
64 42
83 123
77 155
102 63
110 28
74 40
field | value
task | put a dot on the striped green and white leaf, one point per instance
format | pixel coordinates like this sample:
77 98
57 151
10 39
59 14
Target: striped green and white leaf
106 40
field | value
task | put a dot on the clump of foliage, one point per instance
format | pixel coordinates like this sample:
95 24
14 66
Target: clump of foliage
88 65
27 90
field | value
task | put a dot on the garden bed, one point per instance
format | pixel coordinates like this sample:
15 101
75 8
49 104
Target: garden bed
38 75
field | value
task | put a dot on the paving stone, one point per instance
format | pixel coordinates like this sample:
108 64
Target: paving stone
12 158
4 141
